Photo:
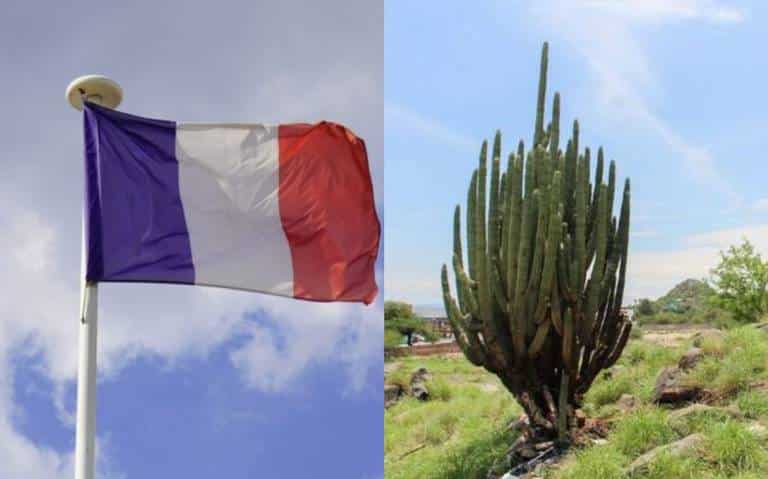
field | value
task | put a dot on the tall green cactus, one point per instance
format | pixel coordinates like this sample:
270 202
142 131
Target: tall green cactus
539 295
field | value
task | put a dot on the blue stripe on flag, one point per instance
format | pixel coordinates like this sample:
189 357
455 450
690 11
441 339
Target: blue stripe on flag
135 224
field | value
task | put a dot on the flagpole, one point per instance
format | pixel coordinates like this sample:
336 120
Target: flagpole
103 91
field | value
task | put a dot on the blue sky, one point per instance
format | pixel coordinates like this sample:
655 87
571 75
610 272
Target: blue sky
193 382
673 89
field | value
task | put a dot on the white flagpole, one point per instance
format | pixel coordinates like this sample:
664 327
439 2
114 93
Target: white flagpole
103 91
86 384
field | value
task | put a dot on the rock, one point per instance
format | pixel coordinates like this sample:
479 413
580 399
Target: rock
762 326
690 358
628 402
420 375
758 430
678 448
419 388
420 391
668 389
392 393
708 334
543 446
518 425
527 452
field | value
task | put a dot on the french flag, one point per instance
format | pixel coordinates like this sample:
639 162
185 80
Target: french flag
285 210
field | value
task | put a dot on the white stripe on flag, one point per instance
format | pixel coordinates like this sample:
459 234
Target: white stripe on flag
229 180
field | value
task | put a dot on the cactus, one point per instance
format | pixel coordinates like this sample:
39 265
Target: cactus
539 295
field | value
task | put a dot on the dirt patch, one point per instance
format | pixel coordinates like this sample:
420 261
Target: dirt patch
672 335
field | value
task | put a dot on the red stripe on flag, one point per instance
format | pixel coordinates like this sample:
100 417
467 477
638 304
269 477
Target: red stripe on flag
328 213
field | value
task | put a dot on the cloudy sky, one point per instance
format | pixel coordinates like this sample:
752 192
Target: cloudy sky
193 382
673 89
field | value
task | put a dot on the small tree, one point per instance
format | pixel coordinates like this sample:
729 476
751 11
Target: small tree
645 307
740 281
399 316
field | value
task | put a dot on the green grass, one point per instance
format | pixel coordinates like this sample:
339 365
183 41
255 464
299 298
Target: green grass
743 359
700 422
668 466
601 462
731 449
754 404
460 432
636 375
641 431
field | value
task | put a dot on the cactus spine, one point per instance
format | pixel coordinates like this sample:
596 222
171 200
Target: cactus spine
540 293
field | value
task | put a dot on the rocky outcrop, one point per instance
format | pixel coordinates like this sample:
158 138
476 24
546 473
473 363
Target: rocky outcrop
707 335
690 359
670 390
417 387
392 394
419 380
628 402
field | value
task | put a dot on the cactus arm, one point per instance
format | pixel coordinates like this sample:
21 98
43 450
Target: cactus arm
471 238
541 97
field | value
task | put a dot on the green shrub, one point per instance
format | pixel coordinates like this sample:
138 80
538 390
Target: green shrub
392 338
439 389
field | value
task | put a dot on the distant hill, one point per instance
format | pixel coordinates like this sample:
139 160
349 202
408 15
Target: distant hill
687 302
690 295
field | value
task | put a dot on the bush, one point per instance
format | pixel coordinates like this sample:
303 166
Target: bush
392 338
645 307
740 280
439 389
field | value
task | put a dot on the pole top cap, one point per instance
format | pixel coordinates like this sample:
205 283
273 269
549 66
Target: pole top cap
94 88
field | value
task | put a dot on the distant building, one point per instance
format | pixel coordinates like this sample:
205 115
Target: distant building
440 326
436 318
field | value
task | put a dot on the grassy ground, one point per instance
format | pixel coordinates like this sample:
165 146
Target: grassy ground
460 434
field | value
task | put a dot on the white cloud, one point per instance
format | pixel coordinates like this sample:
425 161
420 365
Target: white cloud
761 205
652 273
400 117
605 34
39 308
413 287
665 10
293 339
645 234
